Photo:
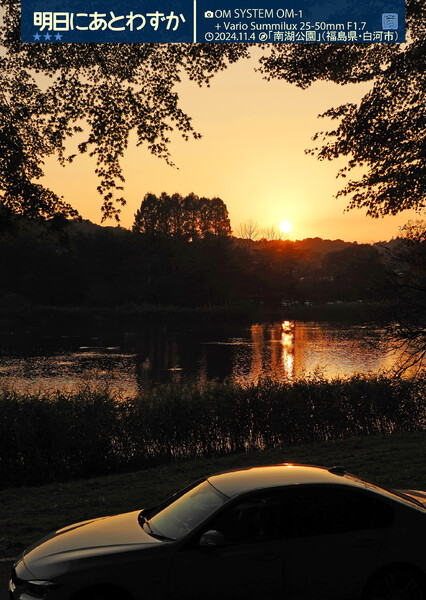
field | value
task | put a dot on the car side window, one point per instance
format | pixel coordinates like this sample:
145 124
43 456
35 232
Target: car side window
301 511
322 510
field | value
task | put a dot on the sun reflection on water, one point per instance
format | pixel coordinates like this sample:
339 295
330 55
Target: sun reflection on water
287 342
283 350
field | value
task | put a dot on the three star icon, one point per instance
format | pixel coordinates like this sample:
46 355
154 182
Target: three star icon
47 37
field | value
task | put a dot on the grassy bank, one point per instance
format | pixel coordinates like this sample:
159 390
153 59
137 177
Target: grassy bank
27 513
56 437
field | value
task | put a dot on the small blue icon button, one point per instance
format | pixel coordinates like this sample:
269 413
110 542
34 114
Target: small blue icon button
389 21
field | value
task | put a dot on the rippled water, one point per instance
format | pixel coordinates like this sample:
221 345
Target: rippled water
133 357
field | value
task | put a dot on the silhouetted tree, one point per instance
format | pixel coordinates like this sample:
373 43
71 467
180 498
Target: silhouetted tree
191 209
148 216
274 270
21 154
249 230
272 233
407 256
188 218
214 218
356 272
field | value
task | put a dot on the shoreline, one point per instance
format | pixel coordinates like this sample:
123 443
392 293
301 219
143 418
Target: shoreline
303 311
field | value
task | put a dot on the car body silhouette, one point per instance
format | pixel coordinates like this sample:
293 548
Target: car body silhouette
282 531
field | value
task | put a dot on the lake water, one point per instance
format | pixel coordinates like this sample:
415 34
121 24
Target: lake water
129 356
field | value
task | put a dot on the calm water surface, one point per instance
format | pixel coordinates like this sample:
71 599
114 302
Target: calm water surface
131 357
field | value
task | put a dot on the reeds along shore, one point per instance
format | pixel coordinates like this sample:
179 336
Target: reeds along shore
54 437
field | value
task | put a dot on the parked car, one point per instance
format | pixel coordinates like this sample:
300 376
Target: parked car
283 531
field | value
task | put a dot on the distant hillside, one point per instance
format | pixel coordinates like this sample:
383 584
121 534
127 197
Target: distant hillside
87 227
321 247
309 247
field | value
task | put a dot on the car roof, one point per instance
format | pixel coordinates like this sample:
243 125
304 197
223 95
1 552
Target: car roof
237 482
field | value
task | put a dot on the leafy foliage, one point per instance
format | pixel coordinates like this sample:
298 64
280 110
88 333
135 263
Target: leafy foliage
385 132
49 92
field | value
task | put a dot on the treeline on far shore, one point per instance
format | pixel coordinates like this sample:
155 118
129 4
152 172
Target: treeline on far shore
77 263
64 435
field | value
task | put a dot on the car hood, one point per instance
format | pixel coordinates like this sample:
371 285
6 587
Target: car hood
97 537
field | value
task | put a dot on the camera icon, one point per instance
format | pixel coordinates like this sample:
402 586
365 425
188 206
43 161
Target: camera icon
208 14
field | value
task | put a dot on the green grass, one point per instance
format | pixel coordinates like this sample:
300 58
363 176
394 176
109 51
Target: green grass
27 513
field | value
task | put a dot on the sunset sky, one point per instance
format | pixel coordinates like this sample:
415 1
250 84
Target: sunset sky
251 156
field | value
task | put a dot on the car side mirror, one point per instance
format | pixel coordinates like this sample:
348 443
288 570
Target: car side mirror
212 538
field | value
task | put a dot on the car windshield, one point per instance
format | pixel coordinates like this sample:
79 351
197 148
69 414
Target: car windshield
178 518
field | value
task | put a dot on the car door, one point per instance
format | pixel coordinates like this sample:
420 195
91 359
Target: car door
248 565
334 535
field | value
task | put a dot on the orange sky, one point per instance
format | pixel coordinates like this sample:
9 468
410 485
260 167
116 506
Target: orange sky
251 155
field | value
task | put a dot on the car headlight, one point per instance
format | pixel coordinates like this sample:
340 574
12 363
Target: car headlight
40 588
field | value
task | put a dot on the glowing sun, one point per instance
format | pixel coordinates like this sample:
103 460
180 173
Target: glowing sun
286 226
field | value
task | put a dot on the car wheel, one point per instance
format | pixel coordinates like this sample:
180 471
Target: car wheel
398 583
